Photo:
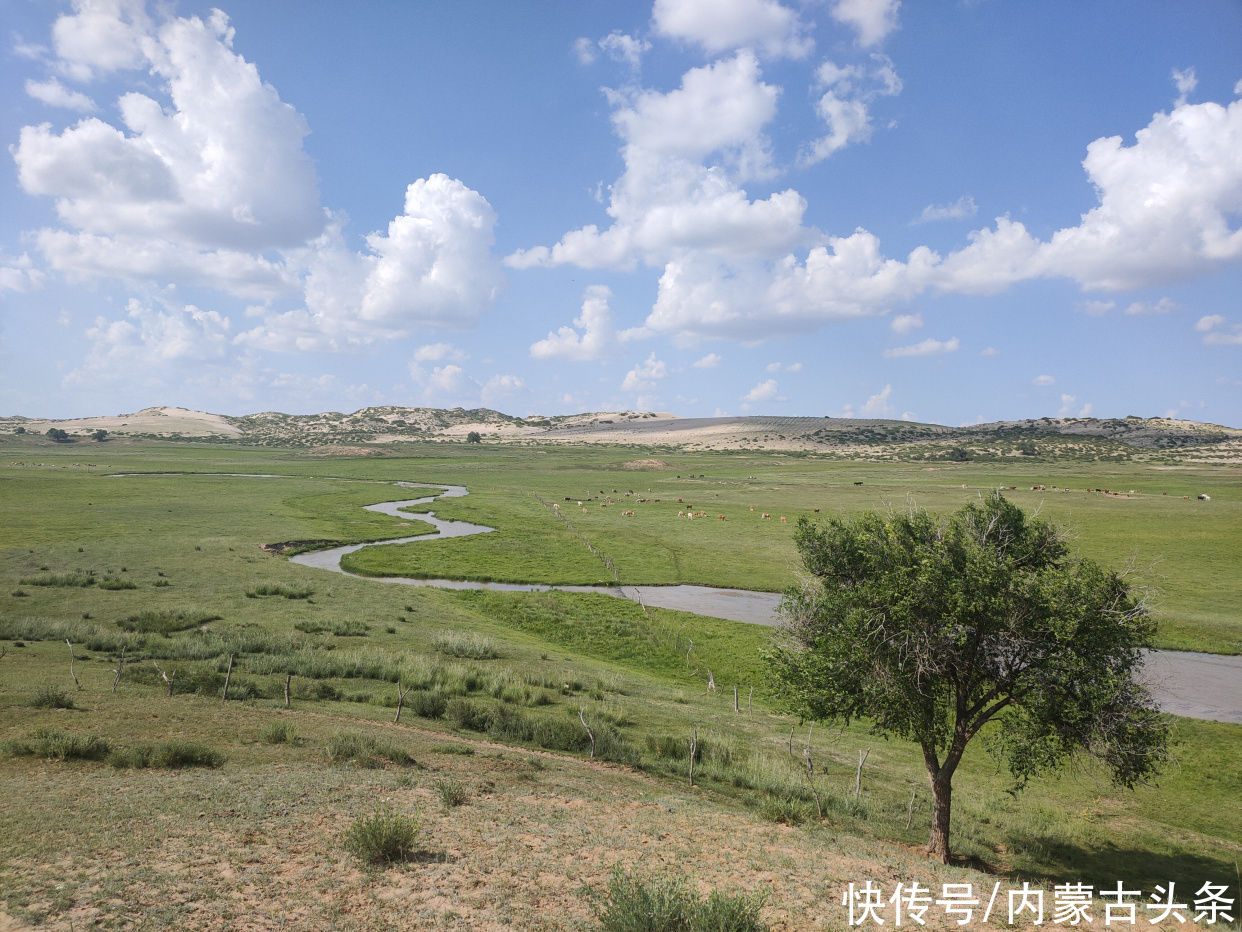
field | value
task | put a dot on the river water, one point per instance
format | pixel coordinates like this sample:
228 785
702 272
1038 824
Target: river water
1194 685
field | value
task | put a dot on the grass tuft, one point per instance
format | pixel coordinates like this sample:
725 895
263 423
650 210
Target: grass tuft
346 747
165 622
452 792
52 697
384 837
470 646
277 589
50 744
662 904
278 732
171 755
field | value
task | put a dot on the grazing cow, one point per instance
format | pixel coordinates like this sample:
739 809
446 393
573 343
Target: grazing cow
817 511
752 507
584 509
766 516
783 519
721 517
857 483
681 514
556 506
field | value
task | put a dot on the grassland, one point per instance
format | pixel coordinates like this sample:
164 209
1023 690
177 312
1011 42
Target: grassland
496 683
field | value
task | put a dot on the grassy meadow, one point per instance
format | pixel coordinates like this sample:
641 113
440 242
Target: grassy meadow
148 800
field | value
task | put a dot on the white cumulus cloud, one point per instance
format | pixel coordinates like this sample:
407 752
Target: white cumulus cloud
873 19
723 25
594 338
55 94
928 347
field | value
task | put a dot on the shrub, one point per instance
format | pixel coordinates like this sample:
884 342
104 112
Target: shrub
427 704
466 645
114 582
465 714
384 837
52 697
278 732
452 792
165 622
60 580
363 749
49 744
662 904
171 755
784 809
289 592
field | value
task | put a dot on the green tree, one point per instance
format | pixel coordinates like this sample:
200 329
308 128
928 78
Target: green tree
473 437
99 436
933 627
58 435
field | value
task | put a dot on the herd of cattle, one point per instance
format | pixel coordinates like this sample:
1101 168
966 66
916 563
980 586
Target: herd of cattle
689 512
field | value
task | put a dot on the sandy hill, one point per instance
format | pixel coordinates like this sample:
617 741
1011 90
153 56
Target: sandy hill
375 427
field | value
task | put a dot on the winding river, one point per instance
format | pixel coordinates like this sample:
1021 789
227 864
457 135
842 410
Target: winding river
1194 685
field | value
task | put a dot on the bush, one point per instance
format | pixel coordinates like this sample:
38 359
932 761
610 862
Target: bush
466 645
384 837
427 704
289 592
784 809
363 749
278 732
171 755
49 744
452 792
60 580
52 697
115 582
165 622
662 904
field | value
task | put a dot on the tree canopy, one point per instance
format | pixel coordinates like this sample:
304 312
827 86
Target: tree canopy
933 627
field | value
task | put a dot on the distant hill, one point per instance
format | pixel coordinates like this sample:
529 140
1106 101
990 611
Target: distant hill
384 428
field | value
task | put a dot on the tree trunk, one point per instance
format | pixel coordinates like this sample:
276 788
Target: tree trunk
942 801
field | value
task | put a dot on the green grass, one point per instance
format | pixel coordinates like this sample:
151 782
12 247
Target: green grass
518 668
635 903
177 754
52 697
164 622
51 744
384 837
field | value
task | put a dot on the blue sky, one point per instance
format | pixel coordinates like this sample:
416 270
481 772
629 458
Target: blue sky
947 212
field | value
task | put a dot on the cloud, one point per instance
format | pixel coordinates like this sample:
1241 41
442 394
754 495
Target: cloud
19 274
432 267
873 19
55 94
764 391
438 352
928 347
644 376
598 337
960 209
790 367
624 48
1163 306
710 361
1217 332
102 36
152 346
1185 80
724 25
1043 380
204 182
904 323
1095 308
685 153
844 105
501 387
877 405
1069 403
989 351
220 167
